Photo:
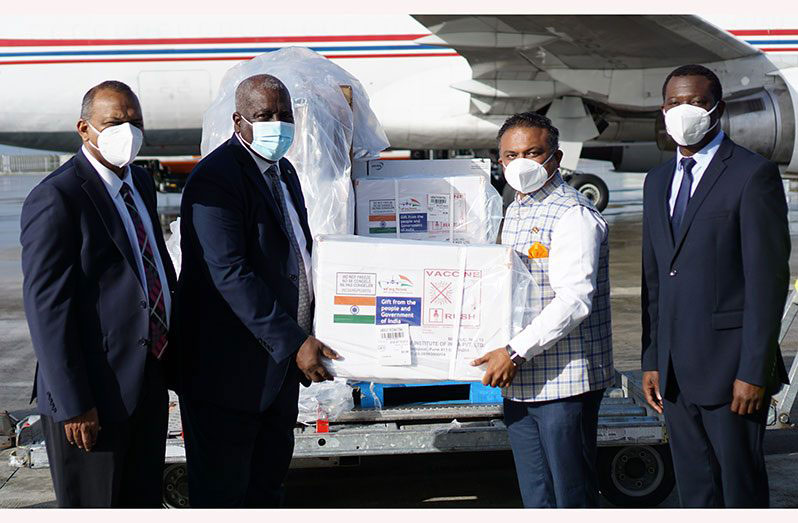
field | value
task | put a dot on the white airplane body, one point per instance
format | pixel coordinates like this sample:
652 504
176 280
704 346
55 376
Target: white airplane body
435 82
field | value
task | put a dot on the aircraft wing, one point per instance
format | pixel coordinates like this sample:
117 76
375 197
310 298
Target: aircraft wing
523 62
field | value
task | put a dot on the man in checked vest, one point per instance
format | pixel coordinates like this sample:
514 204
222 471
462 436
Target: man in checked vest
244 306
97 289
555 370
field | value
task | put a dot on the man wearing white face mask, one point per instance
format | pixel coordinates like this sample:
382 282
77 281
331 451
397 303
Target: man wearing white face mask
244 306
553 372
97 293
716 246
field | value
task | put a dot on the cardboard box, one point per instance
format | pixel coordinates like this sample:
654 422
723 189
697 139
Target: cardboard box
402 311
457 209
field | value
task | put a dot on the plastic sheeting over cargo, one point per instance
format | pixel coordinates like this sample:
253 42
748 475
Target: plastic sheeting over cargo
325 128
457 209
403 311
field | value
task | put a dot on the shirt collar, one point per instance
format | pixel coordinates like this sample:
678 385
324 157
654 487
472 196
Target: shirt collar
111 181
705 155
263 165
544 192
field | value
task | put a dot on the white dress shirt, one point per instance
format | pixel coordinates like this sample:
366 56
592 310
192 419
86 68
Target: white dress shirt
702 159
573 267
113 184
263 166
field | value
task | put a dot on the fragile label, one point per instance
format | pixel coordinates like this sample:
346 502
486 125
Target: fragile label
442 297
393 345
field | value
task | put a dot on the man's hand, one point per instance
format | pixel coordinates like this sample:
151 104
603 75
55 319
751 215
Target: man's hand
82 430
746 398
651 389
308 359
501 370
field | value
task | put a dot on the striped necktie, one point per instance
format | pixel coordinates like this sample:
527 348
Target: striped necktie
158 326
303 314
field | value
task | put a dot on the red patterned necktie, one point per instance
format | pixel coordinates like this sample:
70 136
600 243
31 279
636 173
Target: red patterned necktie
158 326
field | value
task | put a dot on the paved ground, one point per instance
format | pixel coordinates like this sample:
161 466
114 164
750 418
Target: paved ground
485 480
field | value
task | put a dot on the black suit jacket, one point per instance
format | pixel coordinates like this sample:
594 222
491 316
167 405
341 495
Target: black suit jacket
85 305
238 293
713 297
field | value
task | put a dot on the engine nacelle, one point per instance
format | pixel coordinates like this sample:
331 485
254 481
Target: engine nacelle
762 121
638 157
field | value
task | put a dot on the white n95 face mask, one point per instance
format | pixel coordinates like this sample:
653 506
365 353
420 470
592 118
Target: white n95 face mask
525 175
118 144
271 140
688 124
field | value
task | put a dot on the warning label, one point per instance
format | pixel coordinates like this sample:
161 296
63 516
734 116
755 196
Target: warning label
394 310
356 283
442 299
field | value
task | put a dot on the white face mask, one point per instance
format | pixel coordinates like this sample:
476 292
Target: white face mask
525 175
118 144
688 124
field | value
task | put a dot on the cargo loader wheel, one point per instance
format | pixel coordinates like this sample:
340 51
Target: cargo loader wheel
592 187
175 486
635 476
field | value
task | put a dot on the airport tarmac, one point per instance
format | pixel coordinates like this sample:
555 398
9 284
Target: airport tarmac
465 480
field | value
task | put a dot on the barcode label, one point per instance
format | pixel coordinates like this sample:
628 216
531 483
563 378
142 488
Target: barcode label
393 345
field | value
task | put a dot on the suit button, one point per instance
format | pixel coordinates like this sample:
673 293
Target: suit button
144 342
292 277
143 304
673 272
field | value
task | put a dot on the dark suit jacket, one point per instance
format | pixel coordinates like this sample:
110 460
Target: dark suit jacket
713 297
85 305
238 292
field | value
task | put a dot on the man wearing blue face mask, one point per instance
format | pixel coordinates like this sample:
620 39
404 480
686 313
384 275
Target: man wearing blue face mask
97 294
716 246
244 306
555 370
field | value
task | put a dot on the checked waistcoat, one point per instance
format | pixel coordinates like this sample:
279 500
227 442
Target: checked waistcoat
582 360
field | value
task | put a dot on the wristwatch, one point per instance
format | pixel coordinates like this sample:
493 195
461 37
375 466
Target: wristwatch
516 358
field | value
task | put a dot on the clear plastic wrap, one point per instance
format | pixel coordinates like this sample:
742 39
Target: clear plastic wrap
173 245
408 311
325 128
324 400
457 209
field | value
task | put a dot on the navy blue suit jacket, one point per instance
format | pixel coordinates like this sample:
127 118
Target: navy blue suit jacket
238 292
85 305
713 297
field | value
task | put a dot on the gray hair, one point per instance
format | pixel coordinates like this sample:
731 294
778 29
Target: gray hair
258 81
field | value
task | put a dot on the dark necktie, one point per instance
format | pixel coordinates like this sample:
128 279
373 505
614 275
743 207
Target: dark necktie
683 197
303 316
158 327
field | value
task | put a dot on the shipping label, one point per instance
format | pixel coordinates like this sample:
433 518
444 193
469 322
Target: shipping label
382 216
393 345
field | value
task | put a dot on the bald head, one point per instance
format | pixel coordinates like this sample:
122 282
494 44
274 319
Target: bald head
261 98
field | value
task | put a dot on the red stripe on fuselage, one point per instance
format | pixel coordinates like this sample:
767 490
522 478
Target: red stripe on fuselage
213 58
14 42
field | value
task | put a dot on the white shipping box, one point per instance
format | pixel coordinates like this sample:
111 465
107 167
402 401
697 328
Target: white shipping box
402 311
457 209
412 168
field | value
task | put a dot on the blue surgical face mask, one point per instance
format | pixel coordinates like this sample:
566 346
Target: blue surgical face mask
271 140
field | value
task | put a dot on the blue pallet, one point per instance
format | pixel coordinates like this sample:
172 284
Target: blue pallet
477 394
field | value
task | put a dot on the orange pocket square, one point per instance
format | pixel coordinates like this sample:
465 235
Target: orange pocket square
538 250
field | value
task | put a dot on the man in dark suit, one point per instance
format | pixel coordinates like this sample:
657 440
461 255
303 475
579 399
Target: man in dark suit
97 280
244 307
716 246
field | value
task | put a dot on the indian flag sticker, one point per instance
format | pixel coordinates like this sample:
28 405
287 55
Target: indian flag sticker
354 309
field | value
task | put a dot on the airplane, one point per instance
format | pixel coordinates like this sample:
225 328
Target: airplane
436 82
